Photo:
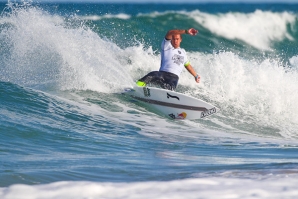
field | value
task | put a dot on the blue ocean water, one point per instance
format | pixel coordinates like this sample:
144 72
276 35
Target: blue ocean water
67 132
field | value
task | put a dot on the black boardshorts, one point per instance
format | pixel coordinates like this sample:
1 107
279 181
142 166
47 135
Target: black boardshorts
161 79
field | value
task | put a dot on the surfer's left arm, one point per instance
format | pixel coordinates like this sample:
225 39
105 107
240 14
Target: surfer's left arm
193 72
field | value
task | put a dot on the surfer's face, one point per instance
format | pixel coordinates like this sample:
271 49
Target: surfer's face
176 40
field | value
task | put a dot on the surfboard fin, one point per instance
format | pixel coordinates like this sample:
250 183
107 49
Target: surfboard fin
140 83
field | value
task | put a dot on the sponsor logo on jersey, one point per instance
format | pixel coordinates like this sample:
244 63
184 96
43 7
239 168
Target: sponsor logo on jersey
178 59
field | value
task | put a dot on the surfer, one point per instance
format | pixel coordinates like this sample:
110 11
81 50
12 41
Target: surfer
173 60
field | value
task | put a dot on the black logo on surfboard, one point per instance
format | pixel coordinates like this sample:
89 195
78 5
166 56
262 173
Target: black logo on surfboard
208 112
146 92
168 96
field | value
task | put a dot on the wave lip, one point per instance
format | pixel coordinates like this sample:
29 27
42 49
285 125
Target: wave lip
257 29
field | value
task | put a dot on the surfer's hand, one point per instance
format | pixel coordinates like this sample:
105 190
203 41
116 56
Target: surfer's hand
192 31
197 78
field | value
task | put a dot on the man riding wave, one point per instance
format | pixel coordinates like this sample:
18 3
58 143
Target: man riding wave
173 60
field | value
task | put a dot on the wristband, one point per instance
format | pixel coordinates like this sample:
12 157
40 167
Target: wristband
196 77
186 31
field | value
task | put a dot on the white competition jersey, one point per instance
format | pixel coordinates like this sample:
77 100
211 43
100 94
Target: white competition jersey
173 59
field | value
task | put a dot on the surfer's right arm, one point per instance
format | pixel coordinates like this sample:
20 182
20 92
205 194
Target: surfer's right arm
190 31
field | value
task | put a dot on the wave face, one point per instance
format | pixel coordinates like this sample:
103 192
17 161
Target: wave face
62 117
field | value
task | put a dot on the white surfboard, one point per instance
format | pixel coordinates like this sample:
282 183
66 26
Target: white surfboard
173 104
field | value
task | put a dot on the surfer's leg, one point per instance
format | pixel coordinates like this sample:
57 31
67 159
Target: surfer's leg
170 80
161 79
174 82
149 78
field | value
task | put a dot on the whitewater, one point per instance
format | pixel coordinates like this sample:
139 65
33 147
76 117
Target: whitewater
67 131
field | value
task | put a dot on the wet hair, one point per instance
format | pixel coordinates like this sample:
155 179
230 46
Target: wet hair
178 34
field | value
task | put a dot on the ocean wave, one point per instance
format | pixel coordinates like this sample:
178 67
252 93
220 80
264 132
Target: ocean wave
280 187
58 53
258 29
65 122
64 52
261 92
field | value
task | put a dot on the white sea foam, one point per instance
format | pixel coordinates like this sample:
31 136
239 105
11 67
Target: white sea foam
155 14
261 92
294 62
69 55
106 16
205 188
258 29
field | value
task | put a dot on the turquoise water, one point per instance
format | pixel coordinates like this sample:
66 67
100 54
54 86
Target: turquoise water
65 127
